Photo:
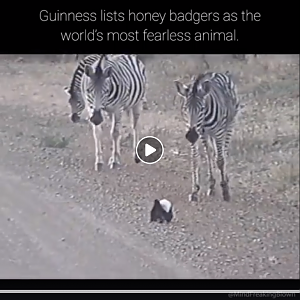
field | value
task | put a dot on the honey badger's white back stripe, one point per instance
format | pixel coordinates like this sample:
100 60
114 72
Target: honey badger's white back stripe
166 205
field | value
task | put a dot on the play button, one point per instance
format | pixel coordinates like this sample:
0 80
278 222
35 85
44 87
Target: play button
149 150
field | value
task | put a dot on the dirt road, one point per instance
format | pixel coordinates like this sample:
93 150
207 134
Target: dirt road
41 237
60 219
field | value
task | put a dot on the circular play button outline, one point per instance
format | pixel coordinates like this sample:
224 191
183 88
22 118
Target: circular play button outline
150 137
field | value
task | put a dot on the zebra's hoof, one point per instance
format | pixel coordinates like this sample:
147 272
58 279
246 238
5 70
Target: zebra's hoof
145 106
114 161
75 118
193 197
210 192
98 167
113 165
225 191
136 159
226 195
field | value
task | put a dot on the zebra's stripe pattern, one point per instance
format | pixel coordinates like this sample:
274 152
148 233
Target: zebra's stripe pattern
113 83
210 105
77 100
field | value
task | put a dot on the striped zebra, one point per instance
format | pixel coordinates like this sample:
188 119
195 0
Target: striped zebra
111 83
209 105
77 98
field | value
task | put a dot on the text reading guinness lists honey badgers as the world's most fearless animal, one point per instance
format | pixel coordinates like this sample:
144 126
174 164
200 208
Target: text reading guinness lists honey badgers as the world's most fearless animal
194 18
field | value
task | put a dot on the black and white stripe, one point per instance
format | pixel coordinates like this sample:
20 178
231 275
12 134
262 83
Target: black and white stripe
77 100
210 106
76 95
113 84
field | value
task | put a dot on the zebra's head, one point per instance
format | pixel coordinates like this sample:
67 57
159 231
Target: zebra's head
98 86
75 103
193 105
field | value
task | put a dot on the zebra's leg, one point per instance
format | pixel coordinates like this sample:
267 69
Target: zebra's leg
136 112
210 161
195 172
221 167
116 136
97 133
109 116
228 136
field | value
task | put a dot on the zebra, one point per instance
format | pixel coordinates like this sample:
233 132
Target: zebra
210 105
110 83
76 99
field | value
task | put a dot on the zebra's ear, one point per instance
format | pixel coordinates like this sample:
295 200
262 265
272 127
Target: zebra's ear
181 88
227 73
88 70
206 85
67 90
107 72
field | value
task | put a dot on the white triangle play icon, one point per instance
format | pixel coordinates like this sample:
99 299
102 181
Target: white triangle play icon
149 150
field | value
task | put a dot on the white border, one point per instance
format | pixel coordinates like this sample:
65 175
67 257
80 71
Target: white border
162 149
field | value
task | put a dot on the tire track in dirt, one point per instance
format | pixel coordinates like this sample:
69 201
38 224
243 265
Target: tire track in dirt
58 239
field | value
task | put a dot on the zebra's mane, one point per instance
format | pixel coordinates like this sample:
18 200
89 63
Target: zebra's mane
80 67
201 78
72 85
97 65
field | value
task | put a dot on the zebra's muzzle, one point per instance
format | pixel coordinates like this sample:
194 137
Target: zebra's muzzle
192 135
96 118
75 118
